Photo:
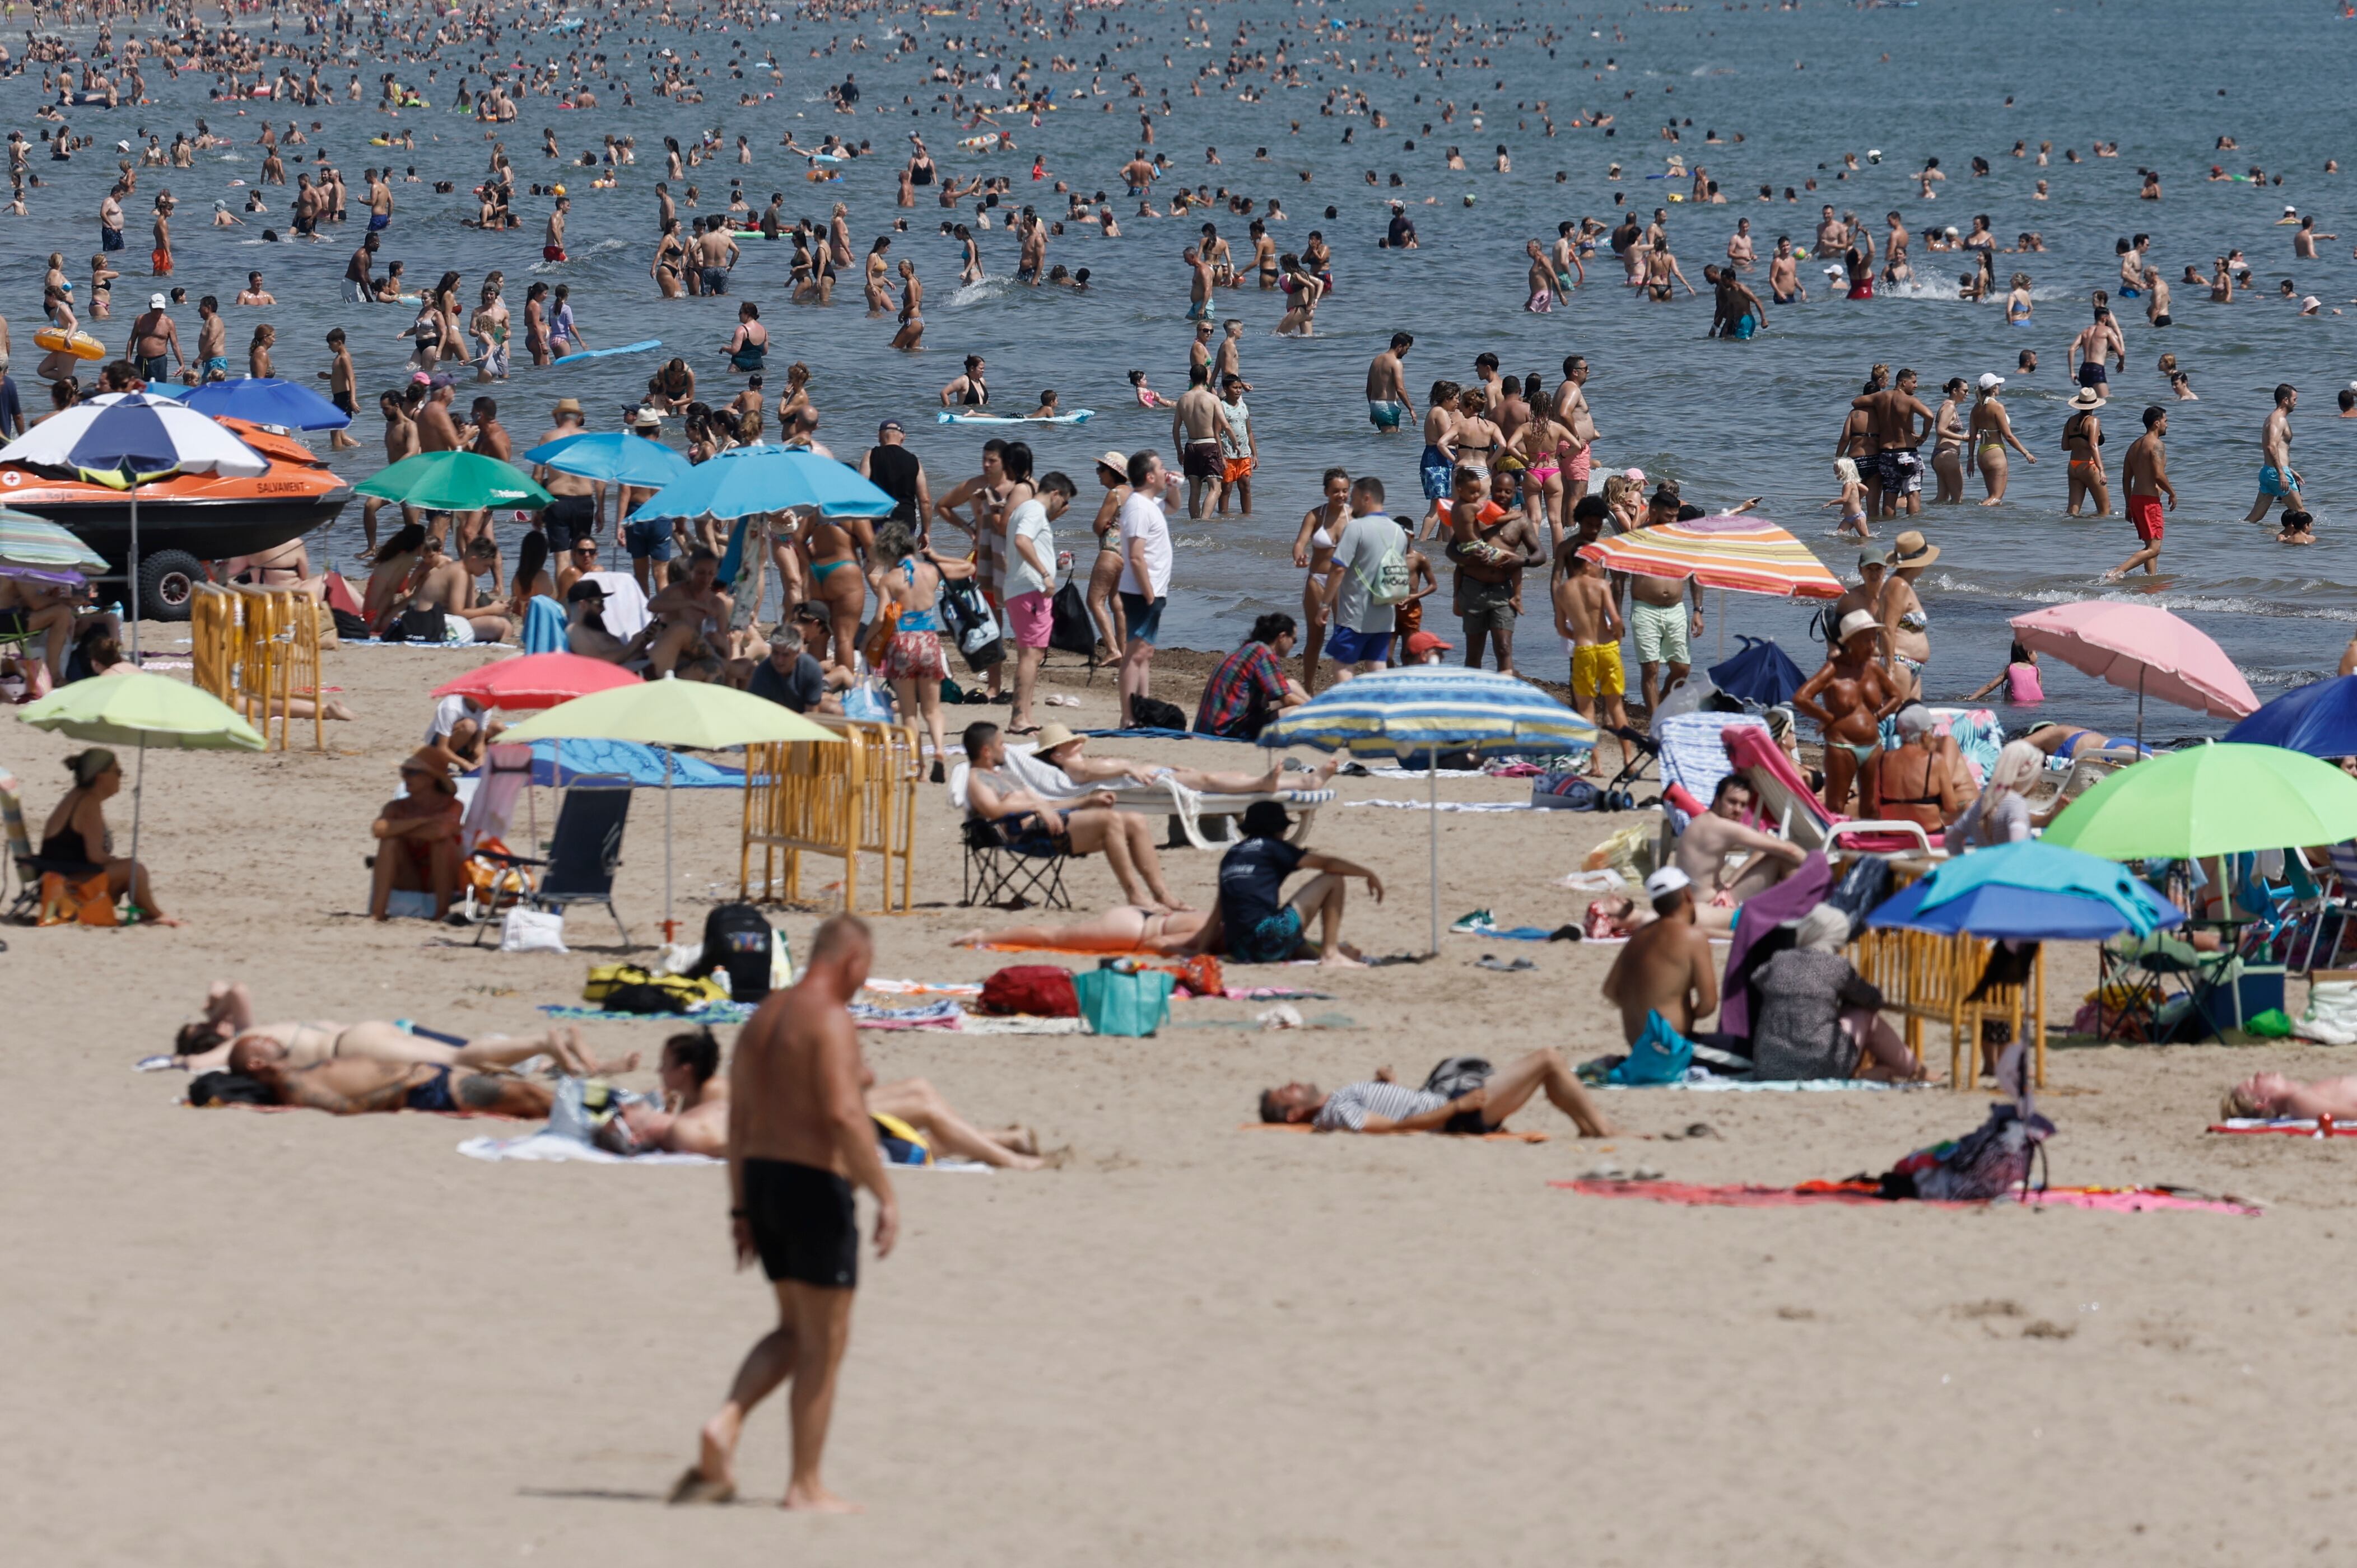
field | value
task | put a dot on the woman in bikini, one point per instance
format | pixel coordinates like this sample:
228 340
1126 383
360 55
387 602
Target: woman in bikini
1948 442
1479 443
1313 547
1991 429
1916 780
1906 626
834 547
913 300
2083 438
670 256
909 579
878 277
1544 447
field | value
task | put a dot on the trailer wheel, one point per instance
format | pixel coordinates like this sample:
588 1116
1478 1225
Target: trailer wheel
167 582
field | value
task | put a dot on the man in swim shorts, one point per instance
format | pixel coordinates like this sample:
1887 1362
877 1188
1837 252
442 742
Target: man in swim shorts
2093 346
351 1086
1383 1105
1658 613
1664 982
2146 469
2278 480
1388 403
801 1140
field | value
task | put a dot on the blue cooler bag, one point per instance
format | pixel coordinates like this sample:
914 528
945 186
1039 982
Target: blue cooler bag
1124 1002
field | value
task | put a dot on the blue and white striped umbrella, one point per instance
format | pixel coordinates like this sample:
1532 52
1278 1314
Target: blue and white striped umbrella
1416 710
1422 710
126 439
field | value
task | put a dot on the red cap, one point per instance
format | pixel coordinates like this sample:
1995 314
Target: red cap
1424 643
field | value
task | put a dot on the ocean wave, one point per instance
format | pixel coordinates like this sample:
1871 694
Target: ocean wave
976 292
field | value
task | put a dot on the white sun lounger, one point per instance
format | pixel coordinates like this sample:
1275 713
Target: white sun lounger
1189 810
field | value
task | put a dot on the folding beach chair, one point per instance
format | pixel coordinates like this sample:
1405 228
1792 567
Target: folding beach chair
583 854
30 866
1006 877
2336 903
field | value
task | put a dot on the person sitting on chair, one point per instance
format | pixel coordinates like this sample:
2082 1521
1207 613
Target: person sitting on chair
1383 1105
77 834
417 836
1712 839
1030 825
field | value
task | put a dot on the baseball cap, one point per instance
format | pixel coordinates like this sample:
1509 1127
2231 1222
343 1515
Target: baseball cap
439 380
1666 881
1873 558
420 378
1990 380
891 424
157 302
1423 643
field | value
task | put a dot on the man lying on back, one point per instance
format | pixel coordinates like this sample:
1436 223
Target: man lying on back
1383 1105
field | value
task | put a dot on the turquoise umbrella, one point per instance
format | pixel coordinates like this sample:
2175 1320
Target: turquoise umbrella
1427 709
2037 867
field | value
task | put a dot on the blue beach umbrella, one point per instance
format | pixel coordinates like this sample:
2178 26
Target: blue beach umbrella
753 481
1427 709
2021 913
2319 719
125 440
616 456
2046 868
266 400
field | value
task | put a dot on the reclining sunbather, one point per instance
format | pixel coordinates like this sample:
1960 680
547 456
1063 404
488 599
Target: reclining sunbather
693 1119
1383 1105
1031 825
1062 748
228 1037
2271 1094
349 1086
1129 929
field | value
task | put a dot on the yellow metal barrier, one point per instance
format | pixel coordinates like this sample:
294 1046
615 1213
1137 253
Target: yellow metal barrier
1923 976
257 649
840 798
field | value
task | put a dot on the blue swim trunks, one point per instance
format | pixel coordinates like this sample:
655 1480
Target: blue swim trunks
1438 474
1385 416
1746 327
2272 483
1273 941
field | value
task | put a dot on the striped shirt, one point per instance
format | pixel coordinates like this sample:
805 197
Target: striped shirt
1347 1108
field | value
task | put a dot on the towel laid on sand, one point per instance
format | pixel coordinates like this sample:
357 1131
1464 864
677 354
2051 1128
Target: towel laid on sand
2107 1199
1711 1083
1504 1136
944 1013
2293 1127
546 1147
1448 805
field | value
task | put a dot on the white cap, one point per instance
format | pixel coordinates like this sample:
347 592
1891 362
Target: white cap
157 302
1666 881
1991 380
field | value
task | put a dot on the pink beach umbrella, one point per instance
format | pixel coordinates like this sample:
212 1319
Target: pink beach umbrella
536 680
2144 649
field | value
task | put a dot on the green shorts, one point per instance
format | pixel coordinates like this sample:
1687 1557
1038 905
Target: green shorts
1661 633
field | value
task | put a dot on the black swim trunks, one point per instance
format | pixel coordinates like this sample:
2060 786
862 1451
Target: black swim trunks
434 1094
803 1223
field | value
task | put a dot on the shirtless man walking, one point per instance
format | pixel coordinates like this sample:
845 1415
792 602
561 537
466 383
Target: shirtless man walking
1658 616
2146 469
1387 401
2278 480
1891 416
2091 345
799 1141
1195 425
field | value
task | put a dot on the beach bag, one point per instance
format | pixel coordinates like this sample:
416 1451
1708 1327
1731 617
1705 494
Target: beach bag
419 626
1456 1077
1153 713
968 618
532 931
736 938
870 700
83 903
880 633
1033 989
628 988
1072 631
1660 1055
350 625
1123 1001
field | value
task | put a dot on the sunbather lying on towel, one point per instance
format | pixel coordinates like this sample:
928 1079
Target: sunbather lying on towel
2270 1094
348 1086
1665 979
1031 825
693 1119
1166 933
1386 1105
228 1037
1064 749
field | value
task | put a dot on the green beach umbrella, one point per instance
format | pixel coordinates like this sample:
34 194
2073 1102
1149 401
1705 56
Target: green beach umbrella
455 481
142 710
2208 800
29 541
691 713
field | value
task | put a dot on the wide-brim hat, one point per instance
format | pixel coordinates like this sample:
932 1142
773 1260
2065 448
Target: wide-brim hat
1912 550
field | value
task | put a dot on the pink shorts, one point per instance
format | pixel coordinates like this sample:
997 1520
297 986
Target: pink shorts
1030 618
1576 470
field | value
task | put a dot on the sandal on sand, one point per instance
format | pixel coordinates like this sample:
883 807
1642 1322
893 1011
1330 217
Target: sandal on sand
1491 961
692 1488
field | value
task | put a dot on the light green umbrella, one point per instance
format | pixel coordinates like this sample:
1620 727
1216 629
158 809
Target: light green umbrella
29 541
141 710
2209 800
455 481
669 714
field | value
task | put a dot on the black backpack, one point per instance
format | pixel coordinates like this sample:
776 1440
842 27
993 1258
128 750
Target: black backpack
1153 713
1074 631
736 938
1457 1076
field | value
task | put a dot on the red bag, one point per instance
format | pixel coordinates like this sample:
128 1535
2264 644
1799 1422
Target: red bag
1036 990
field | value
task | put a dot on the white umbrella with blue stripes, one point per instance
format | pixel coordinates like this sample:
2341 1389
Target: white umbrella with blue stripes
1424 710
127 439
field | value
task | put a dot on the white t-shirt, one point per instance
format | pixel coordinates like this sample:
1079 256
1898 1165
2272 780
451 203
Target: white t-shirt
1142 519
446 714
1029 520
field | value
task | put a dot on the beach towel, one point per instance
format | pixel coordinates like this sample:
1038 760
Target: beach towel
1504 1136
626 602
942 1014
2106 1199
557 762
544 1145
2288 1127
1699 1081
1448 805
1018 1023
1479 924
1694 753
543 625
1978 733
499 784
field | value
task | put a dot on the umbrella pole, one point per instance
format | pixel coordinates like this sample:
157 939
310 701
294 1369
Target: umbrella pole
1722 626
1432 758
670 929
134 577
138 791
2139 707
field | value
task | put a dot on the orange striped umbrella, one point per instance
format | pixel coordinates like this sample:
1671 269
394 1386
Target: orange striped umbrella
1748 555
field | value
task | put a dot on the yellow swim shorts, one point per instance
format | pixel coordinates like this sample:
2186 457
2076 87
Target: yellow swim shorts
1596 670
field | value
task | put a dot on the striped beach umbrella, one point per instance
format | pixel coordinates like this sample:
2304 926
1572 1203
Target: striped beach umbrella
36 541
1425 710
1730 550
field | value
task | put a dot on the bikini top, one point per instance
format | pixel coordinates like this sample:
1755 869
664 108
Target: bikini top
915 620
2075 428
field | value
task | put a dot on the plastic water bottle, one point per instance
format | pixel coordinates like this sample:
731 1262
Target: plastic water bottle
114 609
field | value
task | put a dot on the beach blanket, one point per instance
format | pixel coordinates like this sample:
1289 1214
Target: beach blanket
1480 923
2106 1200
1698 1081
1315 1021
1018 1023
1448 805
942 1014
543 625
921 987
1979 735
2287 1126
548 1147
1504 1136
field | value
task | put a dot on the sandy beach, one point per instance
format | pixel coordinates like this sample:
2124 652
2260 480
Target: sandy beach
261 1339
